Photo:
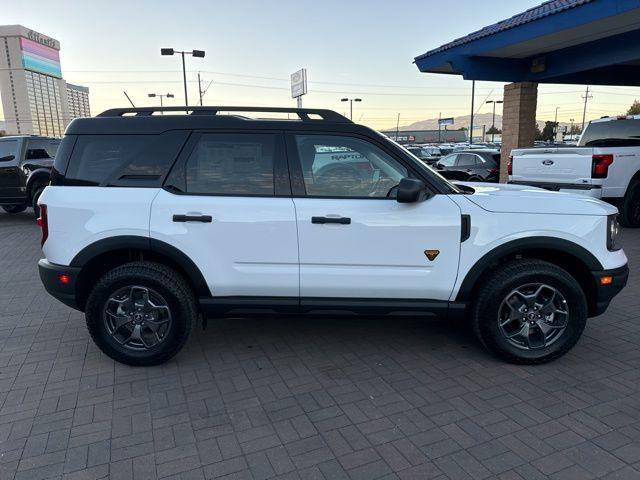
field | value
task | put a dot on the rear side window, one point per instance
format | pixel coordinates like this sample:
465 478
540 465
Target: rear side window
466 160
232 164
123 160
41 148
613 133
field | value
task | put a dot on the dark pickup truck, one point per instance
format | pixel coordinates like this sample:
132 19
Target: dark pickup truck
25 167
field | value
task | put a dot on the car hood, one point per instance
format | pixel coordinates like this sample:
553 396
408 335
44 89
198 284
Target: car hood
505 198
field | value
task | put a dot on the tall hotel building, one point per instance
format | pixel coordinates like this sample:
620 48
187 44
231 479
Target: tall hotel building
35 98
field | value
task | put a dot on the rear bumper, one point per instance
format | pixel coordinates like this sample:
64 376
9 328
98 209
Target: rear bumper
50 276
589 190
605 293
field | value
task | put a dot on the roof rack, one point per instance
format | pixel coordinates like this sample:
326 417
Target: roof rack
304 114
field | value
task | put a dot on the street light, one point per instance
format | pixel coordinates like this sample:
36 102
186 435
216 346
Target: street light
351 100
193 53
167 95
493 121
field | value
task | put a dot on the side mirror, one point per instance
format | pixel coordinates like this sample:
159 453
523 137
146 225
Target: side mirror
411 190
439 166
7 158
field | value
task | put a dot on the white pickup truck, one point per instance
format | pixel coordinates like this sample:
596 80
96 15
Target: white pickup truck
604 165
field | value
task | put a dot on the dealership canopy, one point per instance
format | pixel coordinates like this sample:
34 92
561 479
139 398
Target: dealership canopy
560 41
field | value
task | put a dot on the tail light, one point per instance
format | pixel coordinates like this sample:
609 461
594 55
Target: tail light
43 223
510 165
600 165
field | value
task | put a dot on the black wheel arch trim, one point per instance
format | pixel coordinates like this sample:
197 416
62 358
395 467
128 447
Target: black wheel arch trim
36 176
523 244
153 245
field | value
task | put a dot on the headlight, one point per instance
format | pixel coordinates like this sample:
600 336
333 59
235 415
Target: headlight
613 230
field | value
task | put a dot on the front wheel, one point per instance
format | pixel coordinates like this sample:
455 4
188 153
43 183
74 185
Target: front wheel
529 311
141 313
14 208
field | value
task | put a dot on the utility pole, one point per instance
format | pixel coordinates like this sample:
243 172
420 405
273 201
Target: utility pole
199 89
398 127
439 118
586 97
473 94
493 118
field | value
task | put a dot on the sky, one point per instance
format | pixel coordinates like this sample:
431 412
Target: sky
350 48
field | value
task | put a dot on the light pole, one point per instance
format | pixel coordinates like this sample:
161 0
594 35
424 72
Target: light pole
193 53
493 119
161 95
351 100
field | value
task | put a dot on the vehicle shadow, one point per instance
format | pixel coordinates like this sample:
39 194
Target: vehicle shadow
320 340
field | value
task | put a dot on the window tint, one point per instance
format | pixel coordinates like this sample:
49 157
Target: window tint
232 164
337 166
8 147
123 160
39 148
449 160
613 133
466 160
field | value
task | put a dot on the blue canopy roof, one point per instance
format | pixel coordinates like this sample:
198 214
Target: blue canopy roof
560 41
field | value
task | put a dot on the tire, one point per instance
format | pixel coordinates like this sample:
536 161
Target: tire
630 208
474 179
163 285
14 208
491 308
37 191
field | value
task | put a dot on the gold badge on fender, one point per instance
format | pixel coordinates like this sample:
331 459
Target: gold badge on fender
431 254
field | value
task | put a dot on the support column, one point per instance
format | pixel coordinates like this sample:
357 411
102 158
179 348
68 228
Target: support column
518 120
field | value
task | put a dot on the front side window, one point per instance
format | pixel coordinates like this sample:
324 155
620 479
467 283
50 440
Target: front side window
8 148
339 166
232 164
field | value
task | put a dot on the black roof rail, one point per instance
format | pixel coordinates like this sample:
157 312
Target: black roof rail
303 114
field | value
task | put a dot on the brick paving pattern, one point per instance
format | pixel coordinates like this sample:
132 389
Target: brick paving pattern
309 399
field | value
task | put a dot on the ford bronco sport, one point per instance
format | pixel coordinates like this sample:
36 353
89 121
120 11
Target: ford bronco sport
154 222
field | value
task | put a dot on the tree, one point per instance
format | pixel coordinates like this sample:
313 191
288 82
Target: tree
575 130
548 132
634 109
2 133
493 131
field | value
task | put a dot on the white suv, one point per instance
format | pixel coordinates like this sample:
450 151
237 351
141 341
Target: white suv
153 222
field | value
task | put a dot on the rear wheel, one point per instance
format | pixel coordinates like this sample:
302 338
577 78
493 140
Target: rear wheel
14 208
529 311
37 191
141 313
630 208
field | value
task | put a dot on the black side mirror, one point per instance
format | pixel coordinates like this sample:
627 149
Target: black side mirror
439 166
8 158
411 190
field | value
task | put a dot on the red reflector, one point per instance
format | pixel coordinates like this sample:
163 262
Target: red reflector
510 165
43 223
600 165
492 170
64 278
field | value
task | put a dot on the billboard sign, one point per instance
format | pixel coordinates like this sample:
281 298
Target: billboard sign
445 121
299 83
40 57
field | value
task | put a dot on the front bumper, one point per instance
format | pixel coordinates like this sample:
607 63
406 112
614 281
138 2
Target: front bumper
605 293
50 275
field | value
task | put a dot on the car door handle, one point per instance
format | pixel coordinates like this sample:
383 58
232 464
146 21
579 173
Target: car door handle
323 220
192 218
